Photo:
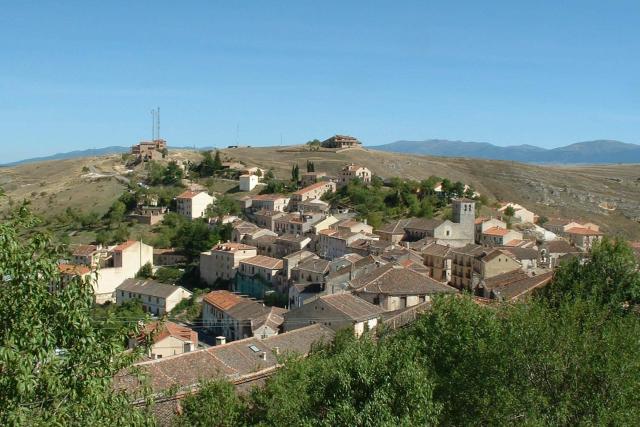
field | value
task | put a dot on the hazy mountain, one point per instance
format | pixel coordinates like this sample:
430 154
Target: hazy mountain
600 151
73 154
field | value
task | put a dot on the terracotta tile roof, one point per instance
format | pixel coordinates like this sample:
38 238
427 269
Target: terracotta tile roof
522 253
188 194
149 287
73 269
437 249
169 329
496 231
122 246
312 187
559 247
353 307
515 242
264 261
269 197
84 250
222 300
470 249
584 231
393 279
480 220
512 285
317 265
233 361
231 247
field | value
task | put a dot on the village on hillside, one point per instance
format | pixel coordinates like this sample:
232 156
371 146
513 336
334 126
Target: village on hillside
276 265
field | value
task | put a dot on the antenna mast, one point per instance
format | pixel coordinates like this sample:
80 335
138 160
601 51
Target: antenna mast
158 125
153 124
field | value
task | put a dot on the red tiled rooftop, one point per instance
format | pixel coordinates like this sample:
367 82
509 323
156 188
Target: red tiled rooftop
170 329
264 261
584 231
188 194
223 300
311 187
73 269
122 246
496 231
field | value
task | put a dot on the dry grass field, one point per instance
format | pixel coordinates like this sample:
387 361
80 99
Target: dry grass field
576 192
606 194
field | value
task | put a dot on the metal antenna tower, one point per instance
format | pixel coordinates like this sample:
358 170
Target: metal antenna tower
158 124
153 124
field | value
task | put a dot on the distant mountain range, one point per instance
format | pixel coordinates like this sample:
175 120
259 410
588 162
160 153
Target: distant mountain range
599 151
73 155
92 152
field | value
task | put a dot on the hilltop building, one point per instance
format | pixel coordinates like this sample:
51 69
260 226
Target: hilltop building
149 150
341 141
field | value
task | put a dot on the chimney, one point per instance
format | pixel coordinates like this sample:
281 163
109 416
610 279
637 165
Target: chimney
263 356
221 340
276 350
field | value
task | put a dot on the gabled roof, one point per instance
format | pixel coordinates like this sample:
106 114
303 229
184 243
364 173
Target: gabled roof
312 187
317 265
222 299
496 231
272 319
149 287
169 329
73 269
393 279
584 231
351 306
559 247
122 246
232 247
522 253
510 286
264 262
437 249
231 361
269 197
84 250
189 194
470 249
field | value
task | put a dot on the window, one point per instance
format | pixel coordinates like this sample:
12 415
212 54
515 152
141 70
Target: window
254 348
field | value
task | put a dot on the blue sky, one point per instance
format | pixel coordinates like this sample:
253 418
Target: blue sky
85 74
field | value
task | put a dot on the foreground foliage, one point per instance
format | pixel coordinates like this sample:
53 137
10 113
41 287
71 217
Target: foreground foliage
56 362
568 357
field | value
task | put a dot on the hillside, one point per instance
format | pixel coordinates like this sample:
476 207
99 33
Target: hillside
599 151
569 191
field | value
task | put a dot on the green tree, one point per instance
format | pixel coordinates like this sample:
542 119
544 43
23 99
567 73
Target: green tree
194 237
117 212
269 175
609 276
172 174
215 405
57 364
310 166
146 271
225 205
529 363
351 382
295 174
217 162
509 213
